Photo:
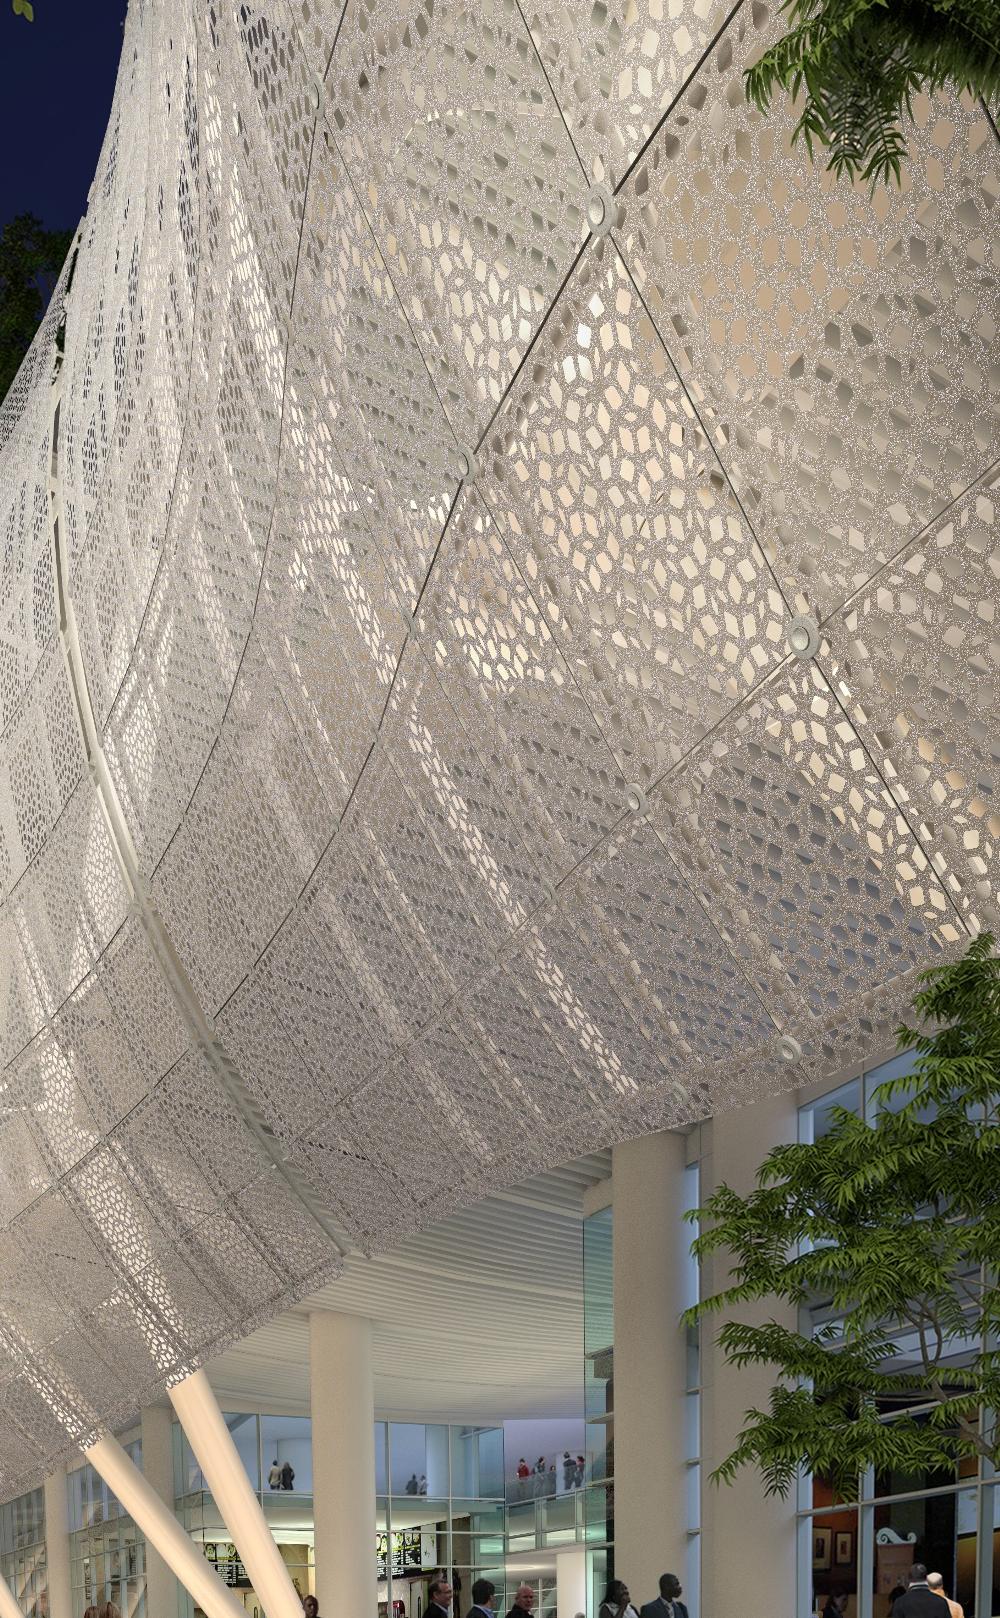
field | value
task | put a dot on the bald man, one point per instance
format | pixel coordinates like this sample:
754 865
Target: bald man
524 1602
935 1582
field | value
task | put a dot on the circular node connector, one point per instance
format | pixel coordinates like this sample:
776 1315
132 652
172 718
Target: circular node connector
789 1049
636 800
601 211
467 464
803 636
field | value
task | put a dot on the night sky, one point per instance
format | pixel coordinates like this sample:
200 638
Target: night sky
57 77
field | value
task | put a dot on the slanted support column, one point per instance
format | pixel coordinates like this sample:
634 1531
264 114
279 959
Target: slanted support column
158 1470
231 1489
747 1537
57 1545
162 1531
8 1605
650 1245
343 1448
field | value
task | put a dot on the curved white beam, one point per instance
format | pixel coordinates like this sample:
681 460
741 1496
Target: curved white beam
162 1529
206 1431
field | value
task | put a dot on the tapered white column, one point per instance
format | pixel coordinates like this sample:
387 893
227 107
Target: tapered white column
206 1431
162 1530
158 1470
746 1536
650 1246
343 1448
8 1606
57 1546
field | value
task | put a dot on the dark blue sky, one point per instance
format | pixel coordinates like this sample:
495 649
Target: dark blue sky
57 77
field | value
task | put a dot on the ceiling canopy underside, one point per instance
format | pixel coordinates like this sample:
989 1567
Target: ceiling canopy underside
406 780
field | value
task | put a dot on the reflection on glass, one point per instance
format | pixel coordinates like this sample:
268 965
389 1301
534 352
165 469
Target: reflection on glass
286 1442
937 1530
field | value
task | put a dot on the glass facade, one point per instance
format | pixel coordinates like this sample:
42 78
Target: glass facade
22 1552
857 1553
107 1550
439 1505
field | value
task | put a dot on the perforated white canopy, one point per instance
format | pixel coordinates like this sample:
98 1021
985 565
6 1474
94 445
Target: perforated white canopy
414 771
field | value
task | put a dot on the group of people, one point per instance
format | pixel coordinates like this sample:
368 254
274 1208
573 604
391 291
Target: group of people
281 1474
924 1596
417 1485
617 1602
573 1469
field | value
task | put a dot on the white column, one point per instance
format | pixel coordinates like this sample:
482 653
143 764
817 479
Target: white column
343 1447
9 1607
162 1530
748 1540
231 1489
57 1545
158 1470
650 1247
571 1582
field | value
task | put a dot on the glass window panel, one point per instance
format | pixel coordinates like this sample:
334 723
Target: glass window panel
408 1457
381 1469
464 1462
287 1445
243 1431
834 1555
937 1530
490 1446
816 1117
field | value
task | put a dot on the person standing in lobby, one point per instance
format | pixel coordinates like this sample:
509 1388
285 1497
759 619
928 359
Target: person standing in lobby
439 1594
484 1596
935 1583
668 1604
524 1602
920 1601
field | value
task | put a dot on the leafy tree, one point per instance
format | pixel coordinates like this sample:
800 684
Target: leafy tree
30 260
895 1227
860 63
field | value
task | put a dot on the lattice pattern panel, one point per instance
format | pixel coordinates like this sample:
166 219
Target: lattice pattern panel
403 755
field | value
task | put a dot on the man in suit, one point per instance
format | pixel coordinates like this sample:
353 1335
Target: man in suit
669 1603
439 1595
920 1600
524 1602
484 1598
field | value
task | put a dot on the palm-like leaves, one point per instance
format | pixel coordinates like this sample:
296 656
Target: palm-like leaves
859 63
892 1227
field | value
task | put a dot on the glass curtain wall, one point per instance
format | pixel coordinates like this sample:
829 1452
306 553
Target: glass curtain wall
599 1399
22 1552
856 1553
107 1550
439 1505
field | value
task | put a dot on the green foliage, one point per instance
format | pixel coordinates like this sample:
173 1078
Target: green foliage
892 1226
30 260
23 8
859 64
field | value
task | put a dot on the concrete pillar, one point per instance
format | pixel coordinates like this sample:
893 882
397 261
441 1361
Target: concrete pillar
60 1597
343 1448
158 1470
650 1247
238 1503
571 1582
161 1529
748 1540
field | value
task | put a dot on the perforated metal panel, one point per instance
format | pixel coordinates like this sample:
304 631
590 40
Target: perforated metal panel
405 772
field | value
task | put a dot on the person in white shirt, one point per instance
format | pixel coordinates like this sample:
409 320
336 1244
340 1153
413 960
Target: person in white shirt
935 1582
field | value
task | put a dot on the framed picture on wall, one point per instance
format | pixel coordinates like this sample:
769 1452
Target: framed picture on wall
843 1549
822 1541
